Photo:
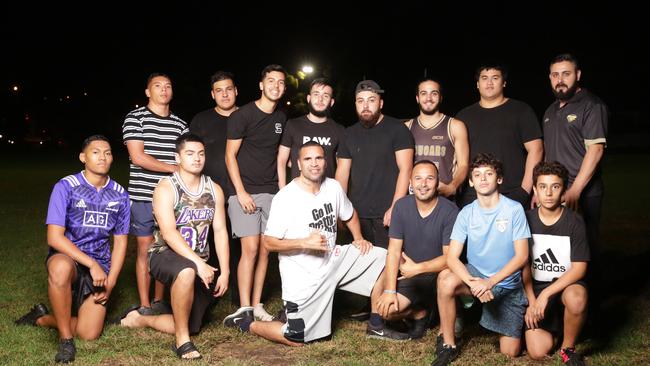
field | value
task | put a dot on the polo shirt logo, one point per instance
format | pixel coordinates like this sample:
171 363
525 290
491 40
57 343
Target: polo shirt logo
572 117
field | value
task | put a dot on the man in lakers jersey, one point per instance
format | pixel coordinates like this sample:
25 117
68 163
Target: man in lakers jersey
185 204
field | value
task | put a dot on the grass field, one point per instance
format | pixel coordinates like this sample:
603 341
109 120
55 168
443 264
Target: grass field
622 335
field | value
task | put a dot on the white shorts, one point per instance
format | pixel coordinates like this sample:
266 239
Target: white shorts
311 319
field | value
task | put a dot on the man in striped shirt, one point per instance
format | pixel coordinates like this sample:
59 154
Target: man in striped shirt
150 134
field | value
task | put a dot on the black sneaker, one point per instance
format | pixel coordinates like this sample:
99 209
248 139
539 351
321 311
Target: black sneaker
440 341
383 332
67 351
281 316
418 327
161 307
446 355
571 357
33 315
236 319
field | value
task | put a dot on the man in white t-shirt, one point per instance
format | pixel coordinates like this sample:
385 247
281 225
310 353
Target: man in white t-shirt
302 229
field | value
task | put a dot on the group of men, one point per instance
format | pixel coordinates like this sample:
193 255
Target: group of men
405 249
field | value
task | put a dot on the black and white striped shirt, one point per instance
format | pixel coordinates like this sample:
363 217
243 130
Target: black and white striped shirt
159 135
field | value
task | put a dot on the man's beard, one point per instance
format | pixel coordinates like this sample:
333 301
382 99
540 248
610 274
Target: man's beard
369 121
324 113
431 112
565 95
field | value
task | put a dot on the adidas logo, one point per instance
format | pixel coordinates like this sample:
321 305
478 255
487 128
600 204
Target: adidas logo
548 262
81 204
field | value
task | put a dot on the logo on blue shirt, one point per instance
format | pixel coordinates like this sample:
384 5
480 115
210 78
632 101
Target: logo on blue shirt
95 219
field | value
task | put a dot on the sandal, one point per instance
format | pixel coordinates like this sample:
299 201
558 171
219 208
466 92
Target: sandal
185 348
118 320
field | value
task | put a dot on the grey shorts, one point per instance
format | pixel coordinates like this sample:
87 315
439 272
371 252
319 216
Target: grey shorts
311 318
505 313
244 224
141 219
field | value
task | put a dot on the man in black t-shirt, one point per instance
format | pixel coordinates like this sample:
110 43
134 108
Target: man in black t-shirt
506 128
575 134
420 229
254 132
315 126
558 261
211 126
376 160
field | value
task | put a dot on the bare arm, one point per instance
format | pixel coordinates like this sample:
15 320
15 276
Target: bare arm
343 173
57 240
221 244
283 157
142 159
117 258
516 263
404 160
587 169
577 272
388 298
535 150
408 268
315 241
245 199
461 151
454 263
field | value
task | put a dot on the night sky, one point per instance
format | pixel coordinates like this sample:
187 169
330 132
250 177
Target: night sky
54 57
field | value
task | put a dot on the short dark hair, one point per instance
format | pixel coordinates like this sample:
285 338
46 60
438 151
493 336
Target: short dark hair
424 80
321 81
221 75
188 137
425 161
566 57
551 168
155 75
309 144
271 68
487 159
491 66
92 138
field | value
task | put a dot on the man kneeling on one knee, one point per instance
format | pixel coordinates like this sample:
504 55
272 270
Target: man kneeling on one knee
420 231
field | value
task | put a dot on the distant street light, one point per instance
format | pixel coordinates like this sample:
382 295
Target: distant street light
307 69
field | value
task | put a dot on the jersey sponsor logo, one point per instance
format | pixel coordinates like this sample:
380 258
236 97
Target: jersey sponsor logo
278 127
95 219
194 214
548 262
323 141
80 204
502 224
437 137
572 117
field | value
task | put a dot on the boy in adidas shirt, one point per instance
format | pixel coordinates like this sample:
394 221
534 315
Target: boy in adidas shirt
553 281
496 233
84 210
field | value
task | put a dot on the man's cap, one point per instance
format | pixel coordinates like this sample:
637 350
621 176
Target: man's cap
368 85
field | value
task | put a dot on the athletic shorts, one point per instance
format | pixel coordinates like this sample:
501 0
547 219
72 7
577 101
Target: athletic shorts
505 313
244 224
553 321
311 318
141 219
82 287
165 267
374 231
420 290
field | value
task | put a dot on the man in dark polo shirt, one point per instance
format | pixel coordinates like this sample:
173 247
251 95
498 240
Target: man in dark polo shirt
575 134
506 128
376 160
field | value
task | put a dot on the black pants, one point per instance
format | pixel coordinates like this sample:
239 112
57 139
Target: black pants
375 232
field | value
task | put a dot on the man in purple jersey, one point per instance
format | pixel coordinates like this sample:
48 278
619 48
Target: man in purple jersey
84 210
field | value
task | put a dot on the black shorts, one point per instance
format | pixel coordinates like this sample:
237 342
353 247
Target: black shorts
553 321
420 290
165 267
82 287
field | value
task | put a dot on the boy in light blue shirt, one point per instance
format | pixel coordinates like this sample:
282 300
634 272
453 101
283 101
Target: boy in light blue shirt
496 232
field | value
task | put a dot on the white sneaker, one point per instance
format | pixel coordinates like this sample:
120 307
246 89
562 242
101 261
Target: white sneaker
261 314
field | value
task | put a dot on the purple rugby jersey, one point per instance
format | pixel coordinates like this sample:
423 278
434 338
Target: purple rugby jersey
90 216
